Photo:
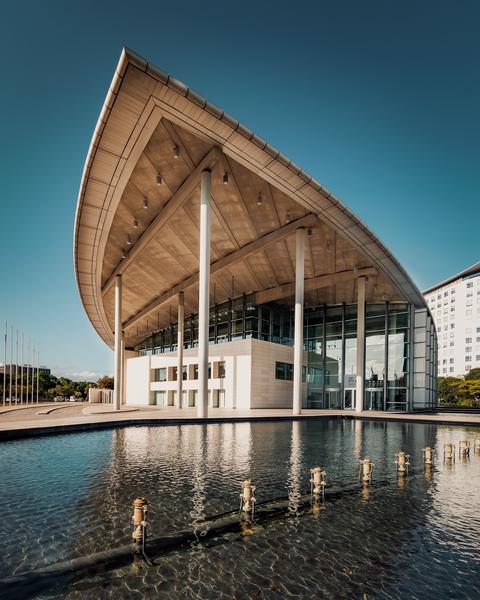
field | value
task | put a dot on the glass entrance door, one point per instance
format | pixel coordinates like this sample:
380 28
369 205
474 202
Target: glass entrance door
374 399
349 399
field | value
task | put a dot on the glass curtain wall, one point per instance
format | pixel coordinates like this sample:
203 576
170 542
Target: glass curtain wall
398 356
330 338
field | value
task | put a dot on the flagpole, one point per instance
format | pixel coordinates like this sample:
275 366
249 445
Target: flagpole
10 366
28 367
33 372
38 371
16 370
5 363
21 369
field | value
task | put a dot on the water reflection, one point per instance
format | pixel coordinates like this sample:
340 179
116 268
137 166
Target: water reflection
404 539
296 467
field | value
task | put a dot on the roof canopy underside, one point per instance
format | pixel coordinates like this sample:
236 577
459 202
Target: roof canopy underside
130 223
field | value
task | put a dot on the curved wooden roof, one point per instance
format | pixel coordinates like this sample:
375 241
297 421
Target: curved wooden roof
151 124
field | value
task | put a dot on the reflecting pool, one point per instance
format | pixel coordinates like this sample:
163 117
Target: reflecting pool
70 495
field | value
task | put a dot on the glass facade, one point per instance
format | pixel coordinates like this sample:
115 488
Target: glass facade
330 338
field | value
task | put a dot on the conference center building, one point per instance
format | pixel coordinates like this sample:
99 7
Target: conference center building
224 276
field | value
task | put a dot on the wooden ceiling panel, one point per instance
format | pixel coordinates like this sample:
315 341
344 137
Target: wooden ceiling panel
195 146
260 265
286 208
280 261
160 153
144 177
264 216
175 245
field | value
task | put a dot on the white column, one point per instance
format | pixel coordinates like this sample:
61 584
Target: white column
122 367
118 344
298 336
180 329
361 284
204 293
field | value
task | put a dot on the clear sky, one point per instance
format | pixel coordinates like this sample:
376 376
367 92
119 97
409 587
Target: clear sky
378 100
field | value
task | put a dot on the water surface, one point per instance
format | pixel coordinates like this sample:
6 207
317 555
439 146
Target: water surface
69 495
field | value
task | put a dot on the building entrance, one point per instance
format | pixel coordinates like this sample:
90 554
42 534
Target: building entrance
349 396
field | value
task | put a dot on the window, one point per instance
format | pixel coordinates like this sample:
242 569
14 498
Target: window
284 371
468 340
221 369
468 359
470 284
452 360
468 348
452 325
451 369
160 374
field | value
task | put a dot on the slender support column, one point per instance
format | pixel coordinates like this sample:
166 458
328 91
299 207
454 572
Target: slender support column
180 329
361 286
298 336
204 293
122 366
118 344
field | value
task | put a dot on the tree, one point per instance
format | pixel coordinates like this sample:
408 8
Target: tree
473 374
455 391
105 383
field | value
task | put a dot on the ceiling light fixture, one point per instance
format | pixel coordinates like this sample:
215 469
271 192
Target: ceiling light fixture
158 179
176 152
135 223
129 240
309 232
225 178
145 202
287 218
259 199
124 254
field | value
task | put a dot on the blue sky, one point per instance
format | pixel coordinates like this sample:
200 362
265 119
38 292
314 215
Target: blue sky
378 100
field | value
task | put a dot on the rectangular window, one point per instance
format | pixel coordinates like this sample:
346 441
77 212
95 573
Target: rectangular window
284 371
160 397
160 374
221 369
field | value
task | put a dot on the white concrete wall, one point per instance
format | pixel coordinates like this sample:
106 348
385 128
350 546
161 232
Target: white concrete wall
138 381
268 392
236 355
249 375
